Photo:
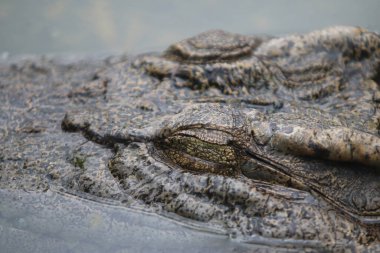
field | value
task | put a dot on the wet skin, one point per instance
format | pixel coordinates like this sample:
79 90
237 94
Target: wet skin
289 148
340 163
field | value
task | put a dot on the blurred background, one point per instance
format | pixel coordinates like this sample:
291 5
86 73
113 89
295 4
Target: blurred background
100 26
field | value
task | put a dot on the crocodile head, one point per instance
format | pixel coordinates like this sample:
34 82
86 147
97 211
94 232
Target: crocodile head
221 165
281 173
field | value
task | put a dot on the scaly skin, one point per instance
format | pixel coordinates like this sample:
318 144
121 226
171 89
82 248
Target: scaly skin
295 157
220 139
273 140
210 163
307 66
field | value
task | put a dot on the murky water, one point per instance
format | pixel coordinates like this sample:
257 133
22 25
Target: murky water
94 26
56 222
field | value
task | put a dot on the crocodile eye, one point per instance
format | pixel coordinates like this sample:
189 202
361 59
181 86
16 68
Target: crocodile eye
202 150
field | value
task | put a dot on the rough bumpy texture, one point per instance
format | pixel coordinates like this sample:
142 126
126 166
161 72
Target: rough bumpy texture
213 46
270 138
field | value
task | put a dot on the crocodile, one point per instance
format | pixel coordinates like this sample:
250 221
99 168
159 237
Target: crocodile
274 140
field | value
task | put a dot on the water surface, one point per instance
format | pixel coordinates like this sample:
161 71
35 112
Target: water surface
97 26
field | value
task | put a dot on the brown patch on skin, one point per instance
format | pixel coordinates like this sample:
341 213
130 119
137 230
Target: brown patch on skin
376 96
318 150
335 143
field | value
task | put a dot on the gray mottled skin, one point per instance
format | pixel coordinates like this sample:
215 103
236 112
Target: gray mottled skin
259 136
